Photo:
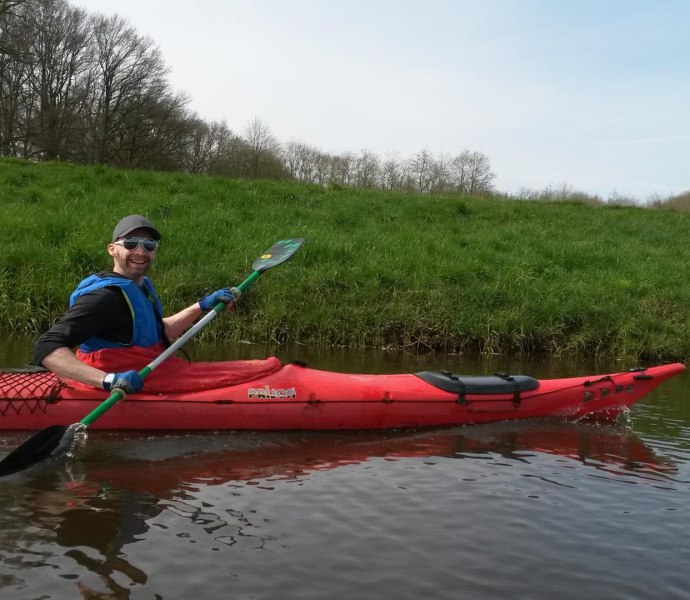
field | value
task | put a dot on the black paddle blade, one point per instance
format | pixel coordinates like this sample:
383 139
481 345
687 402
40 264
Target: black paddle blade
55 440
277 254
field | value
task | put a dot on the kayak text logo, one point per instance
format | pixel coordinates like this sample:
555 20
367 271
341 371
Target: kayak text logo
267 392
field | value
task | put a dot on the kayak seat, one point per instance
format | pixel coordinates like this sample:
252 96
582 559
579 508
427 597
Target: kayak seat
498 383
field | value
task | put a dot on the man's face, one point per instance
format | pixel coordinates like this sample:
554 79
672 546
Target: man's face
135 263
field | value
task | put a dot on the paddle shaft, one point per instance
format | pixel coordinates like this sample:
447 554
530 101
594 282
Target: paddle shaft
118 395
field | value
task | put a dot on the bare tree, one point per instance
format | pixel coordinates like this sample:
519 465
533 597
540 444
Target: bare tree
204 145
341 169
128 75
154 136
85 89
263 149
301 161
471 173
231 160
366 170
15 69
438 175
8 14
421 169
57 56
322 168
391 173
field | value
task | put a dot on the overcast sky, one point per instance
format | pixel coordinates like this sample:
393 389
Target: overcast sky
593 94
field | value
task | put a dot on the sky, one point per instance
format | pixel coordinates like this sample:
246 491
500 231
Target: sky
592 95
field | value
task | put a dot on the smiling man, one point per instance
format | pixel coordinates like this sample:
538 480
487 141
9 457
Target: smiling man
116 319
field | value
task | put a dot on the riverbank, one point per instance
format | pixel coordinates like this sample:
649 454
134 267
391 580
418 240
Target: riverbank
447 273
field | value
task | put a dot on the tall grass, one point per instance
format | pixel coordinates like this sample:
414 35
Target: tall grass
457 274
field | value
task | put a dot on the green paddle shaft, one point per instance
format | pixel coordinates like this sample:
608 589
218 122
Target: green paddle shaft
278 254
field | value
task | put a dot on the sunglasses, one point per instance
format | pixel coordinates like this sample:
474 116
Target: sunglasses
131 243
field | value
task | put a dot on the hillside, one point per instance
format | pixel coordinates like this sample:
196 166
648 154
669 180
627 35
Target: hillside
380 269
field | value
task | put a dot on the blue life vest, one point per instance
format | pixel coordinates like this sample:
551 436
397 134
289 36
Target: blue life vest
147 327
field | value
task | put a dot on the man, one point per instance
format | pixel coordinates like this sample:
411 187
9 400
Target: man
116 319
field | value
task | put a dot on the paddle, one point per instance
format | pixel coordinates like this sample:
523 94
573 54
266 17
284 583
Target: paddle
58 440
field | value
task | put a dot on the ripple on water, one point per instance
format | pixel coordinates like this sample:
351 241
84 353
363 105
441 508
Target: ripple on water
522 510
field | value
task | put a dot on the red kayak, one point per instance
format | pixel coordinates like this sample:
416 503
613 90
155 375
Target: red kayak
297 397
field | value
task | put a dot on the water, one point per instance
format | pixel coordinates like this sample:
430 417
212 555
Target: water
532 510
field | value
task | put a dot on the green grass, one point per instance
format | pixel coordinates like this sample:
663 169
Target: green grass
447 273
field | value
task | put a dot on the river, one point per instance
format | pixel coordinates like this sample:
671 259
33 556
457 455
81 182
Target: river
539 510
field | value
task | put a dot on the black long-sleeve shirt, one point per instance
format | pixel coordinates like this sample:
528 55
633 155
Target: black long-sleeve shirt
104 313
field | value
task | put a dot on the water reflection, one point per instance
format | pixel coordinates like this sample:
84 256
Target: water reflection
269 457
122 485
91 522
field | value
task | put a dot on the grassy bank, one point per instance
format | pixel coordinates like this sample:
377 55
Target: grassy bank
379 269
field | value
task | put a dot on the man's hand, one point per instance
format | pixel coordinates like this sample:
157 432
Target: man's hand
130 382
227 295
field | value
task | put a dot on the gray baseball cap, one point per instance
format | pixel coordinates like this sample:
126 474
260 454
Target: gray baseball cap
132 222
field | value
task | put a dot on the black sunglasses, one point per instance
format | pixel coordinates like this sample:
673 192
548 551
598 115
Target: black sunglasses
131 243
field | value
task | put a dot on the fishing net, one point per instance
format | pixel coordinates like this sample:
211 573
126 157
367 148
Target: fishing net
28 387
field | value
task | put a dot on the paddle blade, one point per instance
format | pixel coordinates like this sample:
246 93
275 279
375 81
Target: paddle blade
277 254
52 441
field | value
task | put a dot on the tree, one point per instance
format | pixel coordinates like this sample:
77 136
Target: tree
205 145
421 170
15 68
128 78
366 170
8 14
263 150
391 174
302 162
154 136
55 61
438 176
339 169
471 173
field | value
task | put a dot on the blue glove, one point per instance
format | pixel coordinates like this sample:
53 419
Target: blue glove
130 382
226 295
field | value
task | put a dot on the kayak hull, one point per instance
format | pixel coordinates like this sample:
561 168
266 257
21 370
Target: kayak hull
297 397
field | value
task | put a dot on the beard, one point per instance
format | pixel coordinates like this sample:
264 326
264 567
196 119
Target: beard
132 266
